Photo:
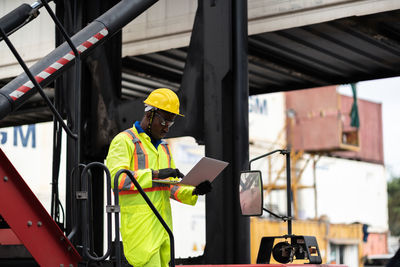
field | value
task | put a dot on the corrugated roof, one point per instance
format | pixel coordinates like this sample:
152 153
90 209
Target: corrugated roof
336 52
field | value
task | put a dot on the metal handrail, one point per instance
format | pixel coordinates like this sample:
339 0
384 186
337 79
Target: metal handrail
148 201
75 186
114 209
86 206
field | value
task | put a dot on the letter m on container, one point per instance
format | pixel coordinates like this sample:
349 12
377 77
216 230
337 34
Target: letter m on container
30 133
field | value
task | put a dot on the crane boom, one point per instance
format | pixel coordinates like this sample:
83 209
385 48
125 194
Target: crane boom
20 89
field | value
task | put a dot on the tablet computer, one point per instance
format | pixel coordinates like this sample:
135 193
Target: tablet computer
206 169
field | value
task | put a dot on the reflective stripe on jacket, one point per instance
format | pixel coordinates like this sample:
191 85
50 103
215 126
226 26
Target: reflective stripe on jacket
141 231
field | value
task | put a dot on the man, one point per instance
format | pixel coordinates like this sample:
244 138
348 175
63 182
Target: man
142 150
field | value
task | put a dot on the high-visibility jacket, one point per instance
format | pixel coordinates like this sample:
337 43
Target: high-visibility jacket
142 233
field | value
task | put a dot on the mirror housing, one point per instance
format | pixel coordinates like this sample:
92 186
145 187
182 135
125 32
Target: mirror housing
251 193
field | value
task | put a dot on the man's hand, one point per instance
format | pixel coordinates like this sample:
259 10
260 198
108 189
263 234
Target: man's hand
167 172
202 188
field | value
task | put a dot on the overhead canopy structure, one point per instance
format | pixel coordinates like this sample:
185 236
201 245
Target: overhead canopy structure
335 52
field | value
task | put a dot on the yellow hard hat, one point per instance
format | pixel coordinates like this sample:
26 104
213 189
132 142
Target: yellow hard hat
165 99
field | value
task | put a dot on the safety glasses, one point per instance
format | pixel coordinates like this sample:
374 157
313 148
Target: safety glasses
163 121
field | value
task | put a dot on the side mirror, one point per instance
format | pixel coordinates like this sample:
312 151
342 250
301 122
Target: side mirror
251 193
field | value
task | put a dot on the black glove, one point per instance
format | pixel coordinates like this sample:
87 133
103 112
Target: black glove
202 188
169 172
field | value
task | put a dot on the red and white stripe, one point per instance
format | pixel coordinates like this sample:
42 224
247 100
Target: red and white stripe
20 91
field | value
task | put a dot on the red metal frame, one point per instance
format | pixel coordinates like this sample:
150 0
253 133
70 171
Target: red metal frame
7 237
30 221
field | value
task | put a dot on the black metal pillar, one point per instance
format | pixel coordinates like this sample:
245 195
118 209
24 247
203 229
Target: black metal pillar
65 87
226 127
214 97
240 121
100 91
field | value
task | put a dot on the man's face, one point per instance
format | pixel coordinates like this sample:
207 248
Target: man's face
161 122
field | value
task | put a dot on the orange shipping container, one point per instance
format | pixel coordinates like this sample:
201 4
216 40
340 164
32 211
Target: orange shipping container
319 121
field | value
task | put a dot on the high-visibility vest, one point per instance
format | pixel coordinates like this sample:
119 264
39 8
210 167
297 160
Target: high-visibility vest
141 232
